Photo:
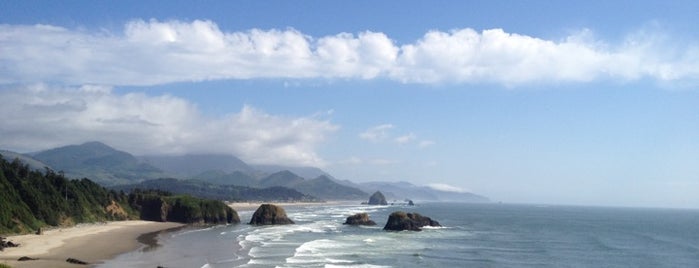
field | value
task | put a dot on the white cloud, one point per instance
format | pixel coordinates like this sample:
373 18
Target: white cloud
377 133
40 117
407 138
447 188
426 143
158 52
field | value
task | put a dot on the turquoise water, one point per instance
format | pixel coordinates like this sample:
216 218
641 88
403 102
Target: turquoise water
474 235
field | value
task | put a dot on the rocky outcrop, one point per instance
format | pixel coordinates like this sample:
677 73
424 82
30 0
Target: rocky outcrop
268 214
359 219
377 199
25 258
184 209
6 244
401 221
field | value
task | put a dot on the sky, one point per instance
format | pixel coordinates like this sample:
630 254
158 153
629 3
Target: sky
550 102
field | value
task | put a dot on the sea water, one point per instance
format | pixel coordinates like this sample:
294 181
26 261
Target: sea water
474 235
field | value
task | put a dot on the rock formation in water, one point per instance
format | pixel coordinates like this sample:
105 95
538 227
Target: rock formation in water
268 214
400 221
359 219
377 199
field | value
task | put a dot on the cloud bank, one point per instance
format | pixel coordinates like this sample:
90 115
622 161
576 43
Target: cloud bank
158 52
39 117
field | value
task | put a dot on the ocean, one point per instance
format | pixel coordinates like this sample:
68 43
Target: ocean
474 235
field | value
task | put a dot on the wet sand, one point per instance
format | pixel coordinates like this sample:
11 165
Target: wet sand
92 243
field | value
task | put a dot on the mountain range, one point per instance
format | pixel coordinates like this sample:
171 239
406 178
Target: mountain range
110 167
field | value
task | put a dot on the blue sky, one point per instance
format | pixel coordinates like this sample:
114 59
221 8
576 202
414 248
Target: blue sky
559 102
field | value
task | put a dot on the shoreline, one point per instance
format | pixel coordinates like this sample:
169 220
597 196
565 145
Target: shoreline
93 243
252 206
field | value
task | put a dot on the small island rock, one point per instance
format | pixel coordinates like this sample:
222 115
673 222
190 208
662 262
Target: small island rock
377 199
359 219
268 214
400 221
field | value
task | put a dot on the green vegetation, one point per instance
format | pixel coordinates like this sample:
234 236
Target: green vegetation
220 192
2 265
31 199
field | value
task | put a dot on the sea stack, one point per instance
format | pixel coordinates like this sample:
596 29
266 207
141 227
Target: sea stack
377 199
401 221
268 214
359 219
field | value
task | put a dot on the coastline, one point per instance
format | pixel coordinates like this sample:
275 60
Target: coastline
252 206
93 243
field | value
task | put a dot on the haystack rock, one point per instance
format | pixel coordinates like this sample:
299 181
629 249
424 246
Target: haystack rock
377 199
359 219
268 214
400 221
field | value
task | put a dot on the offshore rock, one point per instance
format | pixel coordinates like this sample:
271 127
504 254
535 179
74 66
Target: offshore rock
401 221
359 219
377 199
268 214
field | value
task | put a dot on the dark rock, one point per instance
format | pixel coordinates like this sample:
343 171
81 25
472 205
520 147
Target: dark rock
268 214
410 202
359 219
377 199
6 244
76 261
25 258
400 221
38 231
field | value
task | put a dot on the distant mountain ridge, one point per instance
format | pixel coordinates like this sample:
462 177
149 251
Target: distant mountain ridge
110 167
99 162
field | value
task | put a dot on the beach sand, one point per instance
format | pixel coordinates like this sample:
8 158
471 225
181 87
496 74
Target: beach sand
92 243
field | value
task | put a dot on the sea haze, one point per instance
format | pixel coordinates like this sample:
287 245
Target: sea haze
474 235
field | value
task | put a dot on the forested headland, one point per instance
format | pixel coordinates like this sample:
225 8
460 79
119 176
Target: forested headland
32 199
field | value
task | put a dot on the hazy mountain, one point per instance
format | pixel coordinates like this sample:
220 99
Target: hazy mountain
195 164
26 159
99 162
405 190
305 172
234 178
108 166
202 189
326 188
282 178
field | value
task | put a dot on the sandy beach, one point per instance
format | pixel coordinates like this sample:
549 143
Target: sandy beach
92 243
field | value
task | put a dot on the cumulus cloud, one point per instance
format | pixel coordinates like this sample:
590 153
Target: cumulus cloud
157 52
40 117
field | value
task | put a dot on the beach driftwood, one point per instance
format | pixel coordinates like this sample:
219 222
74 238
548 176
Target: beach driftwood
76 261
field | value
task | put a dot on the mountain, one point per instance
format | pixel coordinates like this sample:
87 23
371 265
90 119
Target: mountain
195 164
206 190
282 178
222 178
26 159
97 161
326 188
305 172
406 190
